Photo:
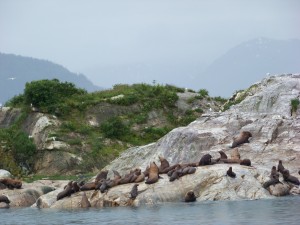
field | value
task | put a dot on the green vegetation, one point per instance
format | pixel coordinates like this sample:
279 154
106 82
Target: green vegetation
126 122
294 104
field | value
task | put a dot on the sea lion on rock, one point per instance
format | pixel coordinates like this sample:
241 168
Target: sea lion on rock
84 203
5 199
235 154
116 175
273 181
153 174
174 176
223 155
190 196
280 167
2 186
245 162
140 178
75 187
274 172
134 191
163 164
231 173
88 186
11 183
243 138
101 175
290 178
66 192
205 160
231 160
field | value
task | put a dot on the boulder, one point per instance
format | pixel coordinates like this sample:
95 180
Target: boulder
5 174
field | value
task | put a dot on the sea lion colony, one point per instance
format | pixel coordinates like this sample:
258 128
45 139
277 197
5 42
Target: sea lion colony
152 172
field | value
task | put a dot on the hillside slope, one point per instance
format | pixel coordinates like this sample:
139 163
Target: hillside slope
15 71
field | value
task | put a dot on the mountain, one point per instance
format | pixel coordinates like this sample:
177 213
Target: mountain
248 63
15 71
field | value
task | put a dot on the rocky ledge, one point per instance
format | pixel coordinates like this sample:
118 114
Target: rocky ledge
265 110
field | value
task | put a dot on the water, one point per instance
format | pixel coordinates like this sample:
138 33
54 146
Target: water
272 211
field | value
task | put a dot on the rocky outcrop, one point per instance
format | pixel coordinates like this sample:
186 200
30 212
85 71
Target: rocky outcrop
4 174
265 112
8 116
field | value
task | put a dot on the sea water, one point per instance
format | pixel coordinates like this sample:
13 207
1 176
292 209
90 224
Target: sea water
284 210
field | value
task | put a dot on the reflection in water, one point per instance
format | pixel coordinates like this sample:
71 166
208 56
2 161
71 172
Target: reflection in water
273 211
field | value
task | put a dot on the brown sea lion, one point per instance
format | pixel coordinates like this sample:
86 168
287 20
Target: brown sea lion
273 181
190 196
104 186
235 154
88 186
274 173
205 160
66 192
75 187
231 173
163 164
245 162
11 183
223 155
241 139
170 168
126 179
5 199
116 174
134 191
101 175
84 203
231 160
280 167
153 174
287 177
146 171
2 186
140 178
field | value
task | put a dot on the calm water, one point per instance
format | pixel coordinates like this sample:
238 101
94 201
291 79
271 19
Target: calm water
261 212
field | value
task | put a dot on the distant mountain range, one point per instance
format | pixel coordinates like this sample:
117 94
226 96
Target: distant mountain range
15 71
248 63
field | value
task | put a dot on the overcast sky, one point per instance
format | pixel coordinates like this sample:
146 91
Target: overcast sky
89 36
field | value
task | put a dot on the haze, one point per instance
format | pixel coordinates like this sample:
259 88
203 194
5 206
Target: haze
131 41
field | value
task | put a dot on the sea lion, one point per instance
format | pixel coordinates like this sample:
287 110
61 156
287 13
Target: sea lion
231 160
134 191
75 187
163 164
170 168
174 176
223 155
2 186
66 192
126 179
287 177
116 175
101 175
274 180
88 186
205 160
274 173
190 196
235 154
245 162
241 139
84 203
192 170
280 167
104 186
153 174
11 183
5 199
140 178
231 173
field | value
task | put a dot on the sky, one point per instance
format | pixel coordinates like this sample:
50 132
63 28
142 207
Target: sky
117 41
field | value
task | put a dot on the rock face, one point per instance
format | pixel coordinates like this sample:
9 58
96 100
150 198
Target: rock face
265 112
4 174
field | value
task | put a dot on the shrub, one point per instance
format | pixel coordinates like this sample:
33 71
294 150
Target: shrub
46 94
203 92
114 128
294 104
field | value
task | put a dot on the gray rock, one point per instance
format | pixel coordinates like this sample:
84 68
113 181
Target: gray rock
5 174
